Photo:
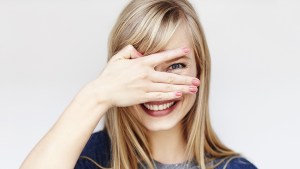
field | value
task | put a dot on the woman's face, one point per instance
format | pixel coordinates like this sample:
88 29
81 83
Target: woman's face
152 114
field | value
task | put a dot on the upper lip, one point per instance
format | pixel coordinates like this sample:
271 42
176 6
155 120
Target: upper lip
162 102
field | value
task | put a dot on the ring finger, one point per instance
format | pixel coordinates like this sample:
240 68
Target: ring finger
163 87
171 78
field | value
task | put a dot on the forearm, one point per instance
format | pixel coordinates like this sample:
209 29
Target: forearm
62 145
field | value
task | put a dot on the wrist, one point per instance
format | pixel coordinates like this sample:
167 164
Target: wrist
95 94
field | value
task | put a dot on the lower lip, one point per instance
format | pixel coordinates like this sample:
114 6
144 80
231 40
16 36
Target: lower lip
159 113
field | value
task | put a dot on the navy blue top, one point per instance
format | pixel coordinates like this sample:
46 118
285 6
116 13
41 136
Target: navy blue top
98 149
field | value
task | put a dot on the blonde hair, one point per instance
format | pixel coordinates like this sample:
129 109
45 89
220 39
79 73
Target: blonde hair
148 26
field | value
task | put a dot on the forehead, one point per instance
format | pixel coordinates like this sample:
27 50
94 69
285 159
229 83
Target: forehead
181 38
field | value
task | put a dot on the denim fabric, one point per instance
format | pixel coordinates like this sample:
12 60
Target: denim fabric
98 149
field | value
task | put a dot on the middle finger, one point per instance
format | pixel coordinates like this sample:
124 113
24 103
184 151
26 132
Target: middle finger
171 78
161 57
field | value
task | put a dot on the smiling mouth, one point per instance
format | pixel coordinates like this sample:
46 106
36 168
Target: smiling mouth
158 109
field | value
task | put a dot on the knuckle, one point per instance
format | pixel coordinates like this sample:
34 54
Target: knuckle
170 54
167 52
187 89
146 98
187 80
169 87
172 95
146 87
183 89
129 47
142 61
158 96
143 75
170 79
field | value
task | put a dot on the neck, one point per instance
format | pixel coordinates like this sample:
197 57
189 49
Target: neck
168 146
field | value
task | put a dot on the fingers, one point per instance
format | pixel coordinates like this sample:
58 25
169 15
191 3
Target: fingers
162 87
136 55
171 78
160 96
128 52
158 58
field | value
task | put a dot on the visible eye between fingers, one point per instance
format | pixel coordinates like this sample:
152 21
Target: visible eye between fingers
177 66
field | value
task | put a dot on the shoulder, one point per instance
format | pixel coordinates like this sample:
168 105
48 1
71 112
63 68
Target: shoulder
96 151
236 162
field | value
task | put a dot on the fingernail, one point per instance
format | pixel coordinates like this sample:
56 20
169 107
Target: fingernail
193 89
140 54
196 82
178 94
186 50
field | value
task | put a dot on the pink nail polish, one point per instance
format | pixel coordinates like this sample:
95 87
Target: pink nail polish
193 89
140 54
186 50
196 82
178 94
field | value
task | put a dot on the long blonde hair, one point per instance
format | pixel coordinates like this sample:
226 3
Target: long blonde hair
148 25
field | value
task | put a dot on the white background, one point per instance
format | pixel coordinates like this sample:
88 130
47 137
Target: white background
50 49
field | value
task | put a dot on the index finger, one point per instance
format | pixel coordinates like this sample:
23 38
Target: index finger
157 58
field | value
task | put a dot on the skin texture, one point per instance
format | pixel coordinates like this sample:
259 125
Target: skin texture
165 132
137 82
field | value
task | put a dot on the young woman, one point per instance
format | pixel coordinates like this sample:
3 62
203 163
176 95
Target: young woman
154 95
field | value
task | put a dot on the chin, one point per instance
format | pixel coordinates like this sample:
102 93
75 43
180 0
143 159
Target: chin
160 125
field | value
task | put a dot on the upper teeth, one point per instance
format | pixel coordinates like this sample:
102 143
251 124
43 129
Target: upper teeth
159 107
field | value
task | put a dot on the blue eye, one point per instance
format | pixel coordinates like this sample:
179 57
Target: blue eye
178 66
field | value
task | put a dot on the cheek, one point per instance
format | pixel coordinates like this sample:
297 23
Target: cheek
188 101
190 71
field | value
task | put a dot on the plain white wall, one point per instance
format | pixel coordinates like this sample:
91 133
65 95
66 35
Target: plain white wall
50 49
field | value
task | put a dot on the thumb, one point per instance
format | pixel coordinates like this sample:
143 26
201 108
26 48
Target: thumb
136 55
128 52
